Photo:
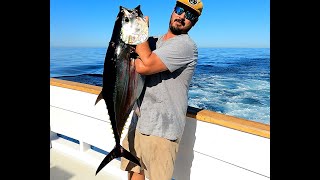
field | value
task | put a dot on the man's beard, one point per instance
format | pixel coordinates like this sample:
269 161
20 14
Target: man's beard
176 30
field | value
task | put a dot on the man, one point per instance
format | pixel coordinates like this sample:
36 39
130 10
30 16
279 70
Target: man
168 63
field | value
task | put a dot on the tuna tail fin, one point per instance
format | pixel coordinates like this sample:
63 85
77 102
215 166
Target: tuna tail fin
99 98
118 151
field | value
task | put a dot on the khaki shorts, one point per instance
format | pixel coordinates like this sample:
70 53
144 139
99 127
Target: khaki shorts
157 155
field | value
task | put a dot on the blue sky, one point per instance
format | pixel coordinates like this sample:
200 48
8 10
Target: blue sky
223 23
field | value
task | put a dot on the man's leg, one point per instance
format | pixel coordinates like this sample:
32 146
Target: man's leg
131 143
158 155
136 176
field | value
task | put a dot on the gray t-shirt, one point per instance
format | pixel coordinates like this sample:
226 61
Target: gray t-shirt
165 101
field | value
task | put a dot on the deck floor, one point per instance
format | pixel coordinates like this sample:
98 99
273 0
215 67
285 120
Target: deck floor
63 167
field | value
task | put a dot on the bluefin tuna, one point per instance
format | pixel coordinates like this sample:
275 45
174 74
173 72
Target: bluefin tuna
122 85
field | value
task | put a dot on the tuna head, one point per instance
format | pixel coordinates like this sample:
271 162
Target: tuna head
134 28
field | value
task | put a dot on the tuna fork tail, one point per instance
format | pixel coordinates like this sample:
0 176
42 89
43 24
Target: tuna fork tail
117 152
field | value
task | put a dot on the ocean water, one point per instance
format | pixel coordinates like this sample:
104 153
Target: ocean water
232 81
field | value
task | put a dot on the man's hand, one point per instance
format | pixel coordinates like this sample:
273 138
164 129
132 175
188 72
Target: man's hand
146 18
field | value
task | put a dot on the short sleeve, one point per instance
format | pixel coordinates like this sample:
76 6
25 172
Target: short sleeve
176 52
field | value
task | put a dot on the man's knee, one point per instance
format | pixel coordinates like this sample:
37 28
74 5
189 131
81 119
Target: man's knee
136 176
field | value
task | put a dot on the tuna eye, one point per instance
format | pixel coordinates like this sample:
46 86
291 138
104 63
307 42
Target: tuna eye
126 19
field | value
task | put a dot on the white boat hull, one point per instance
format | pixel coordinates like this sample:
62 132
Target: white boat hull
207 150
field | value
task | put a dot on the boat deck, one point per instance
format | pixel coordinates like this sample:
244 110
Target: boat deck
65 167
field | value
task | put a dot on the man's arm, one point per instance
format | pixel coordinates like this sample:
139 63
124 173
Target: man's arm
148 63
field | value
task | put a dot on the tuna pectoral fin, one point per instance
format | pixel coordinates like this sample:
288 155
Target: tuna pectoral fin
118 151
136 107
98 98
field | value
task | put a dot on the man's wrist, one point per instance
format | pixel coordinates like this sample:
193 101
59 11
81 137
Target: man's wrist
143 50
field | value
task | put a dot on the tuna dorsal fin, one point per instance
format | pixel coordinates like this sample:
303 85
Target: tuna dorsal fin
99 98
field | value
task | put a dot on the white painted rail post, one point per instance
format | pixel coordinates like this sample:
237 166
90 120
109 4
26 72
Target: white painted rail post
84 146
52 136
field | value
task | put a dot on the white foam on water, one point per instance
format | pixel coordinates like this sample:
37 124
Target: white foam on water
248 98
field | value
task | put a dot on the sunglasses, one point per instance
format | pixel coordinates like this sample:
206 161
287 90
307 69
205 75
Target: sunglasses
189 15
